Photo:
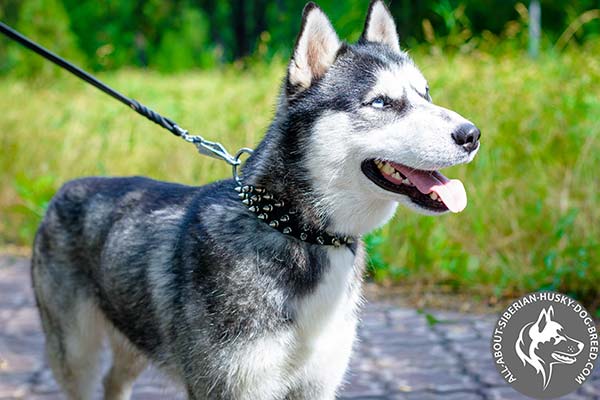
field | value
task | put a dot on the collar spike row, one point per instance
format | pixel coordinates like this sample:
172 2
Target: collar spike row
282 218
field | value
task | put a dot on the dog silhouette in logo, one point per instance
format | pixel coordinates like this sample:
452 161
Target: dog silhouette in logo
543 344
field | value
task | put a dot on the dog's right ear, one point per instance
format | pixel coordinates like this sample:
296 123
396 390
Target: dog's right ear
315 50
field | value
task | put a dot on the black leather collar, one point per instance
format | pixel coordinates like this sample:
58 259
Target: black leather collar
280 216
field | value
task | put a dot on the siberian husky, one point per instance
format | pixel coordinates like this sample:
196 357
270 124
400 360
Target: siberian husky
251 291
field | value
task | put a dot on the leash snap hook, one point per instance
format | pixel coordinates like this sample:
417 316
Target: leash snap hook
237 163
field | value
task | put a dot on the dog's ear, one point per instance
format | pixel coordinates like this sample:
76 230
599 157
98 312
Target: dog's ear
544 318
380 26
315 50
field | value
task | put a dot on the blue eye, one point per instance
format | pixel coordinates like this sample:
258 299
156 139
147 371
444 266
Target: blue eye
378 103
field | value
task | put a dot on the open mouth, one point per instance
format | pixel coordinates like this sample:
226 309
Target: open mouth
428 189
563 358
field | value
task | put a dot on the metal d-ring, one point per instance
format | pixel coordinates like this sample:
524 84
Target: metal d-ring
238 163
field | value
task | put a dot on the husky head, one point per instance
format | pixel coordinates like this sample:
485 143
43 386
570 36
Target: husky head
356 131
543 344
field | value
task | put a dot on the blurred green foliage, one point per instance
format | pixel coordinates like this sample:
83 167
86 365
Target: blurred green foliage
179 35
533 191
532 221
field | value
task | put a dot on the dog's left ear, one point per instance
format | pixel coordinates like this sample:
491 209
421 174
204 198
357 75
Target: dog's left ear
544 318
315 51
380 26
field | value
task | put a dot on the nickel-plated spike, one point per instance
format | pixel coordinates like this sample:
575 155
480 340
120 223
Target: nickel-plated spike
287 230
242 195
263 216
238 189
247 202
255 197
320 240
336 242
279 203
303 236
268 197
259 190
268 207
253 208
284 218
246 189
274 224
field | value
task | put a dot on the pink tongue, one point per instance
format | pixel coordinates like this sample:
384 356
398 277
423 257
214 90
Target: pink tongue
452 192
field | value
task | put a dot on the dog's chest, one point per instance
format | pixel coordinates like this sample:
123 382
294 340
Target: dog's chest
324 314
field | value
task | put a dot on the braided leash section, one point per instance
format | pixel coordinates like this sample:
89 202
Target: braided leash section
156 118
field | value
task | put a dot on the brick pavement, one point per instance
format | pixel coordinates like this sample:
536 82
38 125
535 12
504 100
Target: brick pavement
399 357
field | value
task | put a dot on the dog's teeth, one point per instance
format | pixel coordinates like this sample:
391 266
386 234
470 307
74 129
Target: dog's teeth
387 169
433 195
397 175
406 181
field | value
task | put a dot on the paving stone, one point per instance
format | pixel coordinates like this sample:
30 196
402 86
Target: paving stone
46 396
477 349
508 393
400 334
364 384
437 396
485 372
398 356
441 380
23 323
591 387
464 331
13 385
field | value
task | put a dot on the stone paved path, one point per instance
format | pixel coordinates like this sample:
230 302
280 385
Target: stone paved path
400 356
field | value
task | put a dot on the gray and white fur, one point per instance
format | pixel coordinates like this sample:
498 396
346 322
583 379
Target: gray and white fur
188 279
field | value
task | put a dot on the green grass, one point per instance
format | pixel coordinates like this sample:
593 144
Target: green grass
534 205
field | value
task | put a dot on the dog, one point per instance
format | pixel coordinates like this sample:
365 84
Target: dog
543 344
252 290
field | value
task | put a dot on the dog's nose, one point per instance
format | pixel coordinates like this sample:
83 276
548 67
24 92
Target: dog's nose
467 136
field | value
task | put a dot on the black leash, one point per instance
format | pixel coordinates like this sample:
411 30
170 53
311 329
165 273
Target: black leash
258 201
204 146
